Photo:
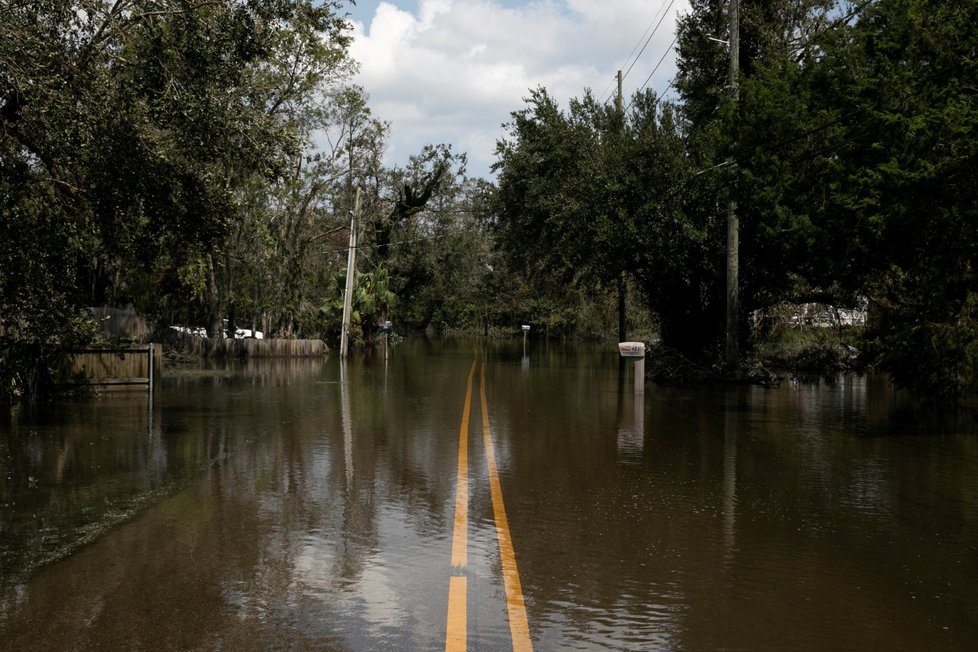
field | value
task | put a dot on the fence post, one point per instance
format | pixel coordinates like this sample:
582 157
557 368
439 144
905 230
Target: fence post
151 361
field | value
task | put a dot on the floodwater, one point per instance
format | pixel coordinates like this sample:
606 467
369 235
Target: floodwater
305 505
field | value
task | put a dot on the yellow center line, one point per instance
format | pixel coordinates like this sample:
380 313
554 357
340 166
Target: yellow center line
455 633
461 530
519 627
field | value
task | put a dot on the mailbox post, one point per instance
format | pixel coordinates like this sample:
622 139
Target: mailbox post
635 351
386 328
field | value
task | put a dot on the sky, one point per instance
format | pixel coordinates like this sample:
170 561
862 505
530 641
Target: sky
452 71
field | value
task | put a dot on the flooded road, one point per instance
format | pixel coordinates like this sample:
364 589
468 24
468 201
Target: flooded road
467 495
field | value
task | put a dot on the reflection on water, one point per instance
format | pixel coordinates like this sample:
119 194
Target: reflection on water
308 504
69 471
730 426
631 428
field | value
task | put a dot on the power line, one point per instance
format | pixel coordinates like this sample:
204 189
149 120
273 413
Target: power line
605 94
668 86
609 95
649 78
649 39
644 34
854 11
840 21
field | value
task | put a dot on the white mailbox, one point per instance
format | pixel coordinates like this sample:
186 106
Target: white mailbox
635 351
632 349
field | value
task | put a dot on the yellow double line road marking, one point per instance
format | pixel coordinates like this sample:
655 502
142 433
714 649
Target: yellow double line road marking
519 629
458 584
460 536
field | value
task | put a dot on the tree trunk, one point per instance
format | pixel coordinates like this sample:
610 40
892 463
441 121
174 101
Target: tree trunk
215 327
622 331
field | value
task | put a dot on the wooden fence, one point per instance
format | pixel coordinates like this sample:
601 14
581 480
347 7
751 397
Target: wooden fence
124 367
251 348
207 347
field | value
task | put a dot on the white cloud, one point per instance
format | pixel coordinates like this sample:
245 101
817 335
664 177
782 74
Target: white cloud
451 71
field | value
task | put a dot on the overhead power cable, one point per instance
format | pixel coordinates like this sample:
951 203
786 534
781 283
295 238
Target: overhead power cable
657 19
649 78
649 39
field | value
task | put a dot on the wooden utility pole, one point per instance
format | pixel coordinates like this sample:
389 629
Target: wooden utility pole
733 223
351 269
618 102
622 335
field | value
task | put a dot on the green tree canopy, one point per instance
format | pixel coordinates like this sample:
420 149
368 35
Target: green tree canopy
126 127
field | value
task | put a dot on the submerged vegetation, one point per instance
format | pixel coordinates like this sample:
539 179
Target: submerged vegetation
199 160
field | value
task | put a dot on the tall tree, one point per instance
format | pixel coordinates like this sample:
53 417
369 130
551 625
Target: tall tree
126 126
905 183
590 194
748 151
552 216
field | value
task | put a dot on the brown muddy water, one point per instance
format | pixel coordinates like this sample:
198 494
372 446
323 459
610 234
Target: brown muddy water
308 506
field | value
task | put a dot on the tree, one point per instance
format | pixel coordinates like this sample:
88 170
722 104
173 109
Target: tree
410 220
588 195
855 168
678 239
557 217
441 257
748 151
293 231
127 130
905 189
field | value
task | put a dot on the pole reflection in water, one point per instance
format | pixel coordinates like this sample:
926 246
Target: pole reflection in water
631 433
730 475
347 420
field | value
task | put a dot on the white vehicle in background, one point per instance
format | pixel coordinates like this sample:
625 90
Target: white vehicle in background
239 333
196 331
242 333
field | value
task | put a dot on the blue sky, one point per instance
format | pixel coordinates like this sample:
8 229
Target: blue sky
451 71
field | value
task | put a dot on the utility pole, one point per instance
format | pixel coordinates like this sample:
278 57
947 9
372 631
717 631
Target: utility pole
618 102
733 223
351 269
621 277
